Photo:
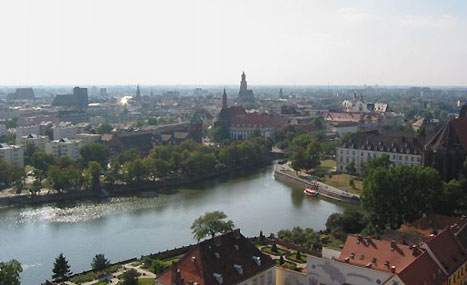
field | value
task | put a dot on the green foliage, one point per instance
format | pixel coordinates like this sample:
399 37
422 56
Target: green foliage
99 262
91 174
400 194
281 260
298 255
381 161
304 153
104 128
29 151
9 272
304 237
65 175
130 277
351 169
350 222
41 160
210 224
95 152
220 134
274 248
61 270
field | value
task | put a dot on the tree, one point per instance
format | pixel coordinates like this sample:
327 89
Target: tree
274 248
211 223
9 272
304 237
29 151
351 168
152 121
130 277
61 270
381 161
281 260
104 128
95 152
350 222
99 262
41 160
395 195
298 255
92 173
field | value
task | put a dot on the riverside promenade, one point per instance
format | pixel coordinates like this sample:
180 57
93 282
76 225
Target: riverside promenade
283 172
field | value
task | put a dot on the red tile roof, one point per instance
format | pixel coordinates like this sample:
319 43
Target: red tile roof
423 270
447 250
433 223
222 255
381 255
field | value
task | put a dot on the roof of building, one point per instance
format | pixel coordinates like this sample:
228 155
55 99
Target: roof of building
229 257
432 224
405 237
423 270
447 250
450 136
378 254
461 235
377 141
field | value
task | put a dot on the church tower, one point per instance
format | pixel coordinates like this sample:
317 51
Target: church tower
243 85
224 100
138 94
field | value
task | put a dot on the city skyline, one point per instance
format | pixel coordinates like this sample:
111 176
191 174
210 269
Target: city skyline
210 42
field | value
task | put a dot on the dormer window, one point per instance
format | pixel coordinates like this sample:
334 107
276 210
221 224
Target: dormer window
218 277
218 256
239 269
257 259
237 248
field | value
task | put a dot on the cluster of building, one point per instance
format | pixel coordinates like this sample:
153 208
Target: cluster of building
445 151
430 251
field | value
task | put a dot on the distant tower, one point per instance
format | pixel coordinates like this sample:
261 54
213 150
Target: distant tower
243 85
138 94
224 100
281 95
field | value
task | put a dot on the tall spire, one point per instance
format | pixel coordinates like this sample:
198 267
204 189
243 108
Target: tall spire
138 93
243 84
224 100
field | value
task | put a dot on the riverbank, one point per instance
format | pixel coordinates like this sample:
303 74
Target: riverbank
282 174
125 190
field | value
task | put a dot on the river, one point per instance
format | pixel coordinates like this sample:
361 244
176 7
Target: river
127 227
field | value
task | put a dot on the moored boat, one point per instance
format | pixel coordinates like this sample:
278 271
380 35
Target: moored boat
311 192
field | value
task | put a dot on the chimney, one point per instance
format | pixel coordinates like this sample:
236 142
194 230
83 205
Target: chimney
415 250
393 269
393 245
193 259
236 233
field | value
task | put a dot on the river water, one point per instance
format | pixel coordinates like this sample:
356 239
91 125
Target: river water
127 227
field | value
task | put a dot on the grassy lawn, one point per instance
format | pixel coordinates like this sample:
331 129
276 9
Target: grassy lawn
329 240
328 163
342 181
90 276
288 265
293 257
279 252
101 283
146 281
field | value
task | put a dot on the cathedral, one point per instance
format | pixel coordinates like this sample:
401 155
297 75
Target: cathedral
245 96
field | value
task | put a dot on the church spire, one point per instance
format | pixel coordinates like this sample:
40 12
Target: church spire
224 100
243 85
138 93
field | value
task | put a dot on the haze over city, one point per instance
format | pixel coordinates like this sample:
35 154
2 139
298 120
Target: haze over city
207 42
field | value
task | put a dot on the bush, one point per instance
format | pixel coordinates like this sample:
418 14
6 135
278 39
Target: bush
274 248
281 260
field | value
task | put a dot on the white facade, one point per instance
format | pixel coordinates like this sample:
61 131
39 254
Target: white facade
331 272
65 130
12 154
22 131
2 130
88 138
267 277
36 140
243 133
342 130
64 147
344 156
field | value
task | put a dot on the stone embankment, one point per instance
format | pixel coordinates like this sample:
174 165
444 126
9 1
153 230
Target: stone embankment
282 173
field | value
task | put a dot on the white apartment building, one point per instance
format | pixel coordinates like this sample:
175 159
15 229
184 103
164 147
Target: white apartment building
361 147
2 129
37 140
12 154
64 147
65 130
89 138
22 131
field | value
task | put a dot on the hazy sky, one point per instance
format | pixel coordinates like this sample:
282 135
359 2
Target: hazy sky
211 41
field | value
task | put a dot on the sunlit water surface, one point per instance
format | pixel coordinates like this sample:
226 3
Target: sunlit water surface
127 227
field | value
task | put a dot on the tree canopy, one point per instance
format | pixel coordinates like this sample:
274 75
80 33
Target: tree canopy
9 272
61 270
210 224
99 262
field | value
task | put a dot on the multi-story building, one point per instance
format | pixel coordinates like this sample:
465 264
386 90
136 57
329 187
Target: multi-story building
79 99
12 154
37 140
22 131
89 138
240 125
2 129
361 147
227 259
65 130
64 147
